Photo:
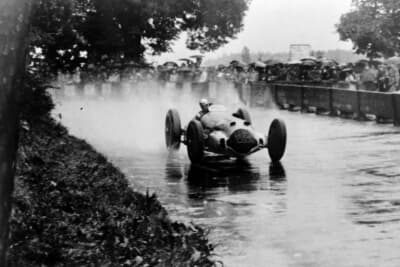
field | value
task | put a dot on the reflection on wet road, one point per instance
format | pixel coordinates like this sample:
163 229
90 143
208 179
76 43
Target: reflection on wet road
334 200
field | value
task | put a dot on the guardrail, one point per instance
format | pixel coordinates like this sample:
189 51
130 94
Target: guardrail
88 90
320 99
334 101
118 89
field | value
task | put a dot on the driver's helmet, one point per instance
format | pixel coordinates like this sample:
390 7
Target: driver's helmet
204 104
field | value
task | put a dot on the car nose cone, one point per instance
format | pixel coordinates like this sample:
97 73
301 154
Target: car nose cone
242 141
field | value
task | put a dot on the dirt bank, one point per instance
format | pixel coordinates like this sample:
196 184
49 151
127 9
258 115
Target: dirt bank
73 208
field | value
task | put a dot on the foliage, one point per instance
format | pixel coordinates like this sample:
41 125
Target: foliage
373 27
341 56
73 208
75 33
33 99
55 30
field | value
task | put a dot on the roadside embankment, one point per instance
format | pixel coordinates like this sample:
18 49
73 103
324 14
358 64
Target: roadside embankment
73 208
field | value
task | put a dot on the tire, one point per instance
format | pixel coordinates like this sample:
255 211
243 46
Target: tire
244 115
195 141
173 130
277 140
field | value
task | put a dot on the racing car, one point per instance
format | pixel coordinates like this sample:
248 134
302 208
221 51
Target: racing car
223 133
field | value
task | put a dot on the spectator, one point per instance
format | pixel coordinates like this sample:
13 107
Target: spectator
368 78
393 78
253 75
382 78
350 79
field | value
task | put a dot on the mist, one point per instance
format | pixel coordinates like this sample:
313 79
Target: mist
134 122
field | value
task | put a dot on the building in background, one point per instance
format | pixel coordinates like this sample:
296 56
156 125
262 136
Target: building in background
299 51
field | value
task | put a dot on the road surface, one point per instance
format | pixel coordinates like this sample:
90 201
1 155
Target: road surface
333 201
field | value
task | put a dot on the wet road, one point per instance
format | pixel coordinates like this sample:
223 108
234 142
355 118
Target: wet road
334 200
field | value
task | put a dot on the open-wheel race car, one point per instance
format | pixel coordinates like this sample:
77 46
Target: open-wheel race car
225 134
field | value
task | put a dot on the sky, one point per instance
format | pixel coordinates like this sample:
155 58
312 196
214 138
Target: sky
272 25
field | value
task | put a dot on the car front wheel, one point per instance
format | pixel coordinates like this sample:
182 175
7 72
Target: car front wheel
277 140
195 141
173 130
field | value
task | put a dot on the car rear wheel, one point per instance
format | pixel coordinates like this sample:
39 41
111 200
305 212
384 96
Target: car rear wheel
195 141
173 130
244 115
277 140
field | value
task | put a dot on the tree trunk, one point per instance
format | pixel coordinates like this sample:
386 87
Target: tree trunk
14 21
137 51
134 49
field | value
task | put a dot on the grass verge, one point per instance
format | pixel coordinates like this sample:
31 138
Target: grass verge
73 208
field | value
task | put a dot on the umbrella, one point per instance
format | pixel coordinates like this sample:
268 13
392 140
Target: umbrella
197 56
329 63
308 62
347 69
393 60
234 62
259 64
170 64
309 58
362 61
272 62
185 59
294 62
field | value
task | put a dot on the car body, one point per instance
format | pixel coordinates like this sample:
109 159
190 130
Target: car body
223 133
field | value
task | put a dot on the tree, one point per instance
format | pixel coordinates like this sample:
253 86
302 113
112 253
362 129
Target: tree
317 53
14 15
246 58
56 37
373 27
76 33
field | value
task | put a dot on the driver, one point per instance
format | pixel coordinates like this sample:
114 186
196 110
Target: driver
204 106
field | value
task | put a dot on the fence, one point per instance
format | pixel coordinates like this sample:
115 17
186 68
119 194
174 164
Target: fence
118 89
357 104
385 107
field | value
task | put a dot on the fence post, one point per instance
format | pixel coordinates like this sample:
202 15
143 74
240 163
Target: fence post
273 92
396 109
360 115
302 96
14 17
331 112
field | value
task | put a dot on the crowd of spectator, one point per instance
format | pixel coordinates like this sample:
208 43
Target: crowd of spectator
375 75
361 75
